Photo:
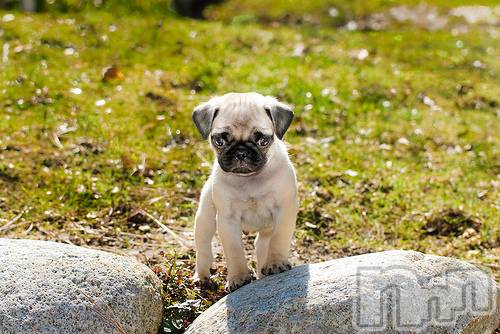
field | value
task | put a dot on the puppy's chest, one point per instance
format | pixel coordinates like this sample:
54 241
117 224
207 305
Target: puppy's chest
255 213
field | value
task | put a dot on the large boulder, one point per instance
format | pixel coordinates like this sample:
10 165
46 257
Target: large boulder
48 287
387 292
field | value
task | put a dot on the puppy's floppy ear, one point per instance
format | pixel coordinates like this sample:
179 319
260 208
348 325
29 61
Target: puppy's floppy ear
203 117
280 114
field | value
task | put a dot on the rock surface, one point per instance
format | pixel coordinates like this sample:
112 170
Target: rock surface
48 287
387 292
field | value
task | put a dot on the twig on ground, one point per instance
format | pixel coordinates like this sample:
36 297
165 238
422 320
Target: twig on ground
55 140
11 222
165 228
156 199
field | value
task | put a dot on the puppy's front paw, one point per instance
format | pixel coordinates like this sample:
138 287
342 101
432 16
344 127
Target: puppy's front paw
234 283
275 267
204 283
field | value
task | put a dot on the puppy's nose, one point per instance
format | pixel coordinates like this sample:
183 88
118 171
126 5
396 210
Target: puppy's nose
240 155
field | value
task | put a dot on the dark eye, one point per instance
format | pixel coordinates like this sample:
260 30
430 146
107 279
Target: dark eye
218 141
264 141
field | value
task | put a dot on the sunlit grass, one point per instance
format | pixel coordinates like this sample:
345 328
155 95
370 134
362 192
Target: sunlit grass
392 129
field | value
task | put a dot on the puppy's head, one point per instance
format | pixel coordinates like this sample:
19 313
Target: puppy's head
242 128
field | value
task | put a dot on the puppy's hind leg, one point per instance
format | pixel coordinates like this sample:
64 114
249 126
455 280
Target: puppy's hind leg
204 230
262 249
279 248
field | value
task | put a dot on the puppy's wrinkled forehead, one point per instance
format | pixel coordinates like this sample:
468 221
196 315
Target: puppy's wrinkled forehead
242 115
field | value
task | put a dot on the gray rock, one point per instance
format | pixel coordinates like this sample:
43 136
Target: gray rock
48 287
387 292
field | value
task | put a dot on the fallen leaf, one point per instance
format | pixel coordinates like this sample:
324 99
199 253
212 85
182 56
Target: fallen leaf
112 73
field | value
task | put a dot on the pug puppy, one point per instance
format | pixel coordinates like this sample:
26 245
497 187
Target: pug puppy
252 187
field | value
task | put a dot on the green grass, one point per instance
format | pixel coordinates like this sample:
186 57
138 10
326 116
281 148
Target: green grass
418 169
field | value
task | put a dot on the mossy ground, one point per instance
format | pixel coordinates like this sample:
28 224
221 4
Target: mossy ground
395 141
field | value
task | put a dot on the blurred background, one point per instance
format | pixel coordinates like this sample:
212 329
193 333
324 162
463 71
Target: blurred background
395 140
